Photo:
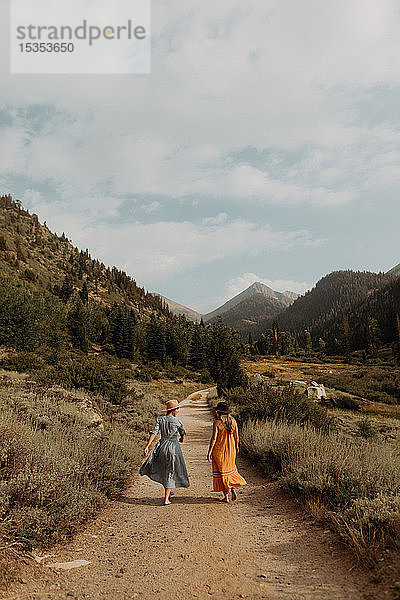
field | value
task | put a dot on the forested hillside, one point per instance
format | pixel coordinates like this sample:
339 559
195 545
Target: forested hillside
323 310
344 312
29 252
71 315
332 295
375 320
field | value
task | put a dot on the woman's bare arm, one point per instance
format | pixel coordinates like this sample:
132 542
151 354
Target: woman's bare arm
151 438
236 435
212 441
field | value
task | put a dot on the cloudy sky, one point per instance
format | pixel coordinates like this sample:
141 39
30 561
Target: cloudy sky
264 145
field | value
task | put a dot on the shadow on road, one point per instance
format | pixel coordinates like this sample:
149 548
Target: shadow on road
174 499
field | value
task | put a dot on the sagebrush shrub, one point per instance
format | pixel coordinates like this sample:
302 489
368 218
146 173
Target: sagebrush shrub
261 401
358 482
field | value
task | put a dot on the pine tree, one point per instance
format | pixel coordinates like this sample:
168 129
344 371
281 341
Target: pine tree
197 358
265 343
307 342
396 343
67 288
123 332
346 339
286 343
155 340
84 293
373 335
77 327
275 331
224 354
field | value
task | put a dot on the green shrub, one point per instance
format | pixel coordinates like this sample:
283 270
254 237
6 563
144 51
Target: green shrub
371 525
149 372
378 384
93 375
56 476
175 371
345 402
366 429
261 401
269 374
22 362
29 320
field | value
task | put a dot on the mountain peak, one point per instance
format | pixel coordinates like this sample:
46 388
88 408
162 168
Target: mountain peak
394 270
259 287
255 289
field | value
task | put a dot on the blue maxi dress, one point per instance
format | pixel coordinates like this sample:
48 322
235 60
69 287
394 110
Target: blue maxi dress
165 464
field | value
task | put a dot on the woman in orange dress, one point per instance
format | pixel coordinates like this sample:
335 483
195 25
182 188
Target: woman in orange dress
224 446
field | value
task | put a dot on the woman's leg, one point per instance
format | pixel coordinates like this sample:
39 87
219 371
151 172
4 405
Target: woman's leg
234 494
167 495
226 496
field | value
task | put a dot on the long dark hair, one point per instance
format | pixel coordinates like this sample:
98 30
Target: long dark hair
228 423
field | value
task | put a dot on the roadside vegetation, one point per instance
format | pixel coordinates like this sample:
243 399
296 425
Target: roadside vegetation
353 486
62 454
346 476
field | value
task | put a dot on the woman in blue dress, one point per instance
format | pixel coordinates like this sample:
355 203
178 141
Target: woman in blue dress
165 464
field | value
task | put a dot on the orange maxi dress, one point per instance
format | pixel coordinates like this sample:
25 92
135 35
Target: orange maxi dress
225 473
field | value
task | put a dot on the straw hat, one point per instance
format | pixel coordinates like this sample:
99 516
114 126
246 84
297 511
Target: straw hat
172 405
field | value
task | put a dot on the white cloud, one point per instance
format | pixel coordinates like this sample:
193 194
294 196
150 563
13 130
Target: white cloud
271 75
218 220
151 207
266 103
154 252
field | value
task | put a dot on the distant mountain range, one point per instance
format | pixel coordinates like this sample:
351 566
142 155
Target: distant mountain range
179 309
337 296
359 305
256 289
247 312
251 309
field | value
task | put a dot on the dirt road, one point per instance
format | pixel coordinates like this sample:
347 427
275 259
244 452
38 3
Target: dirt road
262 546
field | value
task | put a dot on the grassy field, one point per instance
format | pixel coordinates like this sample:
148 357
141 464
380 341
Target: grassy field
384 418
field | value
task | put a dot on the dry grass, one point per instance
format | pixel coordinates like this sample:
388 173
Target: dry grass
8 574
356 484
289 370
165 390
57 468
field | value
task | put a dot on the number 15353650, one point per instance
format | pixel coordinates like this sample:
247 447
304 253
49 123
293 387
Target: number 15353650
46 47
